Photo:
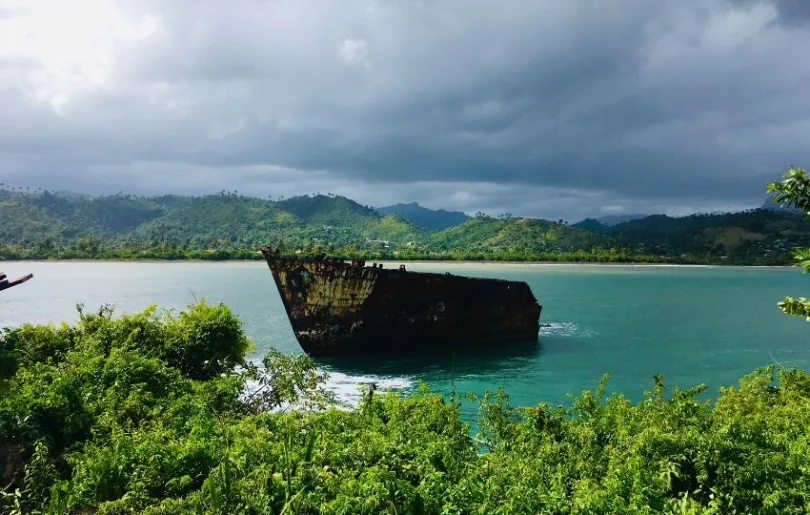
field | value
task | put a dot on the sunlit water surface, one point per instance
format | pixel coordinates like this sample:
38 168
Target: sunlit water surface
691 324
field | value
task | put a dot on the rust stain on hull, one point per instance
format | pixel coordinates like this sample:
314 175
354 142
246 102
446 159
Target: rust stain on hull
338 307
6 284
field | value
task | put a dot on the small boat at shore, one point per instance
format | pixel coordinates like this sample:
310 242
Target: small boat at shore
5 283
339 307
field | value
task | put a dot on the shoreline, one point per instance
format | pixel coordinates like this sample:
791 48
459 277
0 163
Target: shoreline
406 261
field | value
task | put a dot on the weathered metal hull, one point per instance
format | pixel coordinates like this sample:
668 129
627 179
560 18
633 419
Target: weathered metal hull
6 284
337 308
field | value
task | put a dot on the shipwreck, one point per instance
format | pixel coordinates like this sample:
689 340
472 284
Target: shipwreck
338 307
5 283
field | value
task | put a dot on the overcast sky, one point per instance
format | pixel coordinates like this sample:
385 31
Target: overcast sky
550 108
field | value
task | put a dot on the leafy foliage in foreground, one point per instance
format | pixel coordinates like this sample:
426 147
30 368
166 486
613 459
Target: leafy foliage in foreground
794 190
158 413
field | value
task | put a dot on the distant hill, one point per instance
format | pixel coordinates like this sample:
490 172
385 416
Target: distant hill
71 194
617 219
603 223
47 222
593 224
203 221
515 234
424 217
755 231
746 232
770 205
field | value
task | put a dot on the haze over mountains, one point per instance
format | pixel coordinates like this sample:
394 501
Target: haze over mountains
769 204
442 219
618 219
427 218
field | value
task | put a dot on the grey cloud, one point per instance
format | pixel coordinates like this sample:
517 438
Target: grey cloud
671 106
274 182
791 12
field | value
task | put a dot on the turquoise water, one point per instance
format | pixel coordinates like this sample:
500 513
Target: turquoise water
691 324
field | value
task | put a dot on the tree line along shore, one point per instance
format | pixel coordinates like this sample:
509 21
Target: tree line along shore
226 226
165 252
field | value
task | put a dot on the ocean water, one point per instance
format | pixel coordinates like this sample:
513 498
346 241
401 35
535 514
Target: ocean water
692 325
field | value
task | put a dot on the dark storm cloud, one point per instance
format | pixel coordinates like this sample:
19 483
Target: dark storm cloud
557 109
793 11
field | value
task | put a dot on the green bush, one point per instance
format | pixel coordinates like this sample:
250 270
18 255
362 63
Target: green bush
118 420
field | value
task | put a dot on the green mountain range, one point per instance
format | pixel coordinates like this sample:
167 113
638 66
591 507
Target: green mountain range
47 225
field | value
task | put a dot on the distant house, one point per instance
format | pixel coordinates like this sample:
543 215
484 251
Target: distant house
384 243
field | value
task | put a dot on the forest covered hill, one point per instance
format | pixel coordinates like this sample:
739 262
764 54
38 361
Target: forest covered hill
43 225
424 217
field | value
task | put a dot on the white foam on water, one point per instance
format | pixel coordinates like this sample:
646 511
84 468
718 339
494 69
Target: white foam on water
565 329
348 388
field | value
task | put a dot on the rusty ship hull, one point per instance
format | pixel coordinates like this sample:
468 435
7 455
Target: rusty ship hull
5 283
338 308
